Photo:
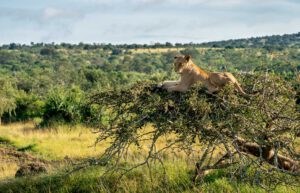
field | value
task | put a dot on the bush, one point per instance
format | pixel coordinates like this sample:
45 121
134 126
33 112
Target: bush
47 52
63 105
7 98
28 107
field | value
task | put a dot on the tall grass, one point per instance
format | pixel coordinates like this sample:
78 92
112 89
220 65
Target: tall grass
75 142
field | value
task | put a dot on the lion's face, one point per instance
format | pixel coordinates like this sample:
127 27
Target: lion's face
180 62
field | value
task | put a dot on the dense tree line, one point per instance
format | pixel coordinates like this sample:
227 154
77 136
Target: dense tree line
273 42
276 42
30 74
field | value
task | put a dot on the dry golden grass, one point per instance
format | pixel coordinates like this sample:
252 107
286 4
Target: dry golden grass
49 144
74 142
66 141
7 169
55 143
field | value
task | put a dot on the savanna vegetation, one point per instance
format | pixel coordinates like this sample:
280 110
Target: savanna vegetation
91 109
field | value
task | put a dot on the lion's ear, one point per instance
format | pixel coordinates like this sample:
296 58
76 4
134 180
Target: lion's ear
187 57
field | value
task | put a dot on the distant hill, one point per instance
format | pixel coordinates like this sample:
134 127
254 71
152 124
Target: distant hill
268 42
274 41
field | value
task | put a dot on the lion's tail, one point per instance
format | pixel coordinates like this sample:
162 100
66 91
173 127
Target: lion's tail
239 88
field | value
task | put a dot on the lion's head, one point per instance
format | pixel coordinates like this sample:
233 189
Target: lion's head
181 62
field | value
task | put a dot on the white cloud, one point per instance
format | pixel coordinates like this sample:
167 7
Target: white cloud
144 21
56 13
50 12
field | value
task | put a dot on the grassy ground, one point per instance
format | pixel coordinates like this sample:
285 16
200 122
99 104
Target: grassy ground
178 180
56 144
53 145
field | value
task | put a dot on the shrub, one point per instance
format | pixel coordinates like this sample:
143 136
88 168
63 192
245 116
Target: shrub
28 107
63 105
7 98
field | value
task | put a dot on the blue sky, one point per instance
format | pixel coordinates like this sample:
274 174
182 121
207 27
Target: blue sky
144 21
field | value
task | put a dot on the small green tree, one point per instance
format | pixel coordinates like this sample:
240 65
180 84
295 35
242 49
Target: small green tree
28 107
7 99
63 105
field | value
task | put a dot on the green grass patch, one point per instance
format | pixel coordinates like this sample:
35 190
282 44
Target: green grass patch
178 179
5 141
30 147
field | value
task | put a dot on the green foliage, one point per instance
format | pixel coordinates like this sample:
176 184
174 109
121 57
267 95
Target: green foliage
6 141
274 42
47 52
32 71
191 51
28 107
7 101
30 147
63 105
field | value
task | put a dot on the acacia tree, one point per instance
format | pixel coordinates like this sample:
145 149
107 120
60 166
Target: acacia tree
256 135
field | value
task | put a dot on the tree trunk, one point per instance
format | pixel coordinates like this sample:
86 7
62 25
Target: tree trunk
267 153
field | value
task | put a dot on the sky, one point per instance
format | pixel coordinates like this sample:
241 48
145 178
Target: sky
144 21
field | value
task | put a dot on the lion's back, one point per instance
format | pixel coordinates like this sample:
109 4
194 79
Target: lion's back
222 78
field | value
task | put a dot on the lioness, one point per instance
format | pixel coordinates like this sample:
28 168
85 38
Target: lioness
190 74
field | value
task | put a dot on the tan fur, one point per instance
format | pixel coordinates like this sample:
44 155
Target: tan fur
190 74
